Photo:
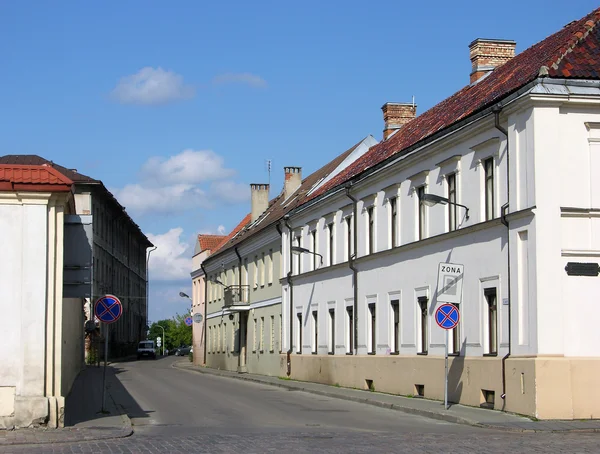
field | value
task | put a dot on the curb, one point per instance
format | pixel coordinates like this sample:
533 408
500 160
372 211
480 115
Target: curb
414 411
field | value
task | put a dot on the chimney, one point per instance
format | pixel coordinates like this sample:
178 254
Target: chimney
293 180
259 200
396 115
488 54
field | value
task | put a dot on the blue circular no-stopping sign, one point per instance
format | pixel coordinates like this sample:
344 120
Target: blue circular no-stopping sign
108 309
447 316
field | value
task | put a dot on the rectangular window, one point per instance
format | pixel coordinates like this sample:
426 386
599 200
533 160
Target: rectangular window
455 346
423 344
370 231
349 329
330 251
315 348
262 270
209 340
372 330
297 257
245 272
225 337
313 246
280 333
331 331
451 180
255 273
262 335
492 312
234 345
394 220
395 326
255 332
488 168
219 338
349 238
272 339
299 333
422 212
270 267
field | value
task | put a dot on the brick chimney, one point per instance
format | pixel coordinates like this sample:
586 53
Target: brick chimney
293 179
396 115
259 200
488 54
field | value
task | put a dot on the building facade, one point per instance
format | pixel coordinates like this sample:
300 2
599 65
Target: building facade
42 329
114 260
510 166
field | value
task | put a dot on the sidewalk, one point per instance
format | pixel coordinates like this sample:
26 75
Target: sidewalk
461 414
83 419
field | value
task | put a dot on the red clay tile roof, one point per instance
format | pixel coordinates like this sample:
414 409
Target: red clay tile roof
32 159
277 209
573 52
210 242
32 178
243 223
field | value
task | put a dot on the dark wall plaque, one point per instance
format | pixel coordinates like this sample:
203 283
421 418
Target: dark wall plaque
582 269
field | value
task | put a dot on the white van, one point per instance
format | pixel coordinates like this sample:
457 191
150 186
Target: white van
146 348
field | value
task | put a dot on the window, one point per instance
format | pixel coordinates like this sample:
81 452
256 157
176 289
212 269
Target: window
395 326
297 257
225 345
299 331
350 329
370 230
372 330
451 180
423 346
255 274
488 168
331 244
219 339
272 340
315 332
234 345
455 347
422 212
313 245
331 331
245 272
492 306
394 220
262 335
209 340
349 238
270 267
280 333
255 332
262 270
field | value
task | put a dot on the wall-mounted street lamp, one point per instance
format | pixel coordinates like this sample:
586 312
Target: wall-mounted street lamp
432 199
185 295
302 250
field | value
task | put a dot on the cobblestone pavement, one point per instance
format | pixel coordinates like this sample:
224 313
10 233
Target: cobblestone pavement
335 442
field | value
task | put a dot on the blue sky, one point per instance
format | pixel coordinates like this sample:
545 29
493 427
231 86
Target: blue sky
175 106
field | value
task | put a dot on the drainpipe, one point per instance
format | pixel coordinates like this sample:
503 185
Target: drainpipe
351 258
496 111
203 340
290 285
240 293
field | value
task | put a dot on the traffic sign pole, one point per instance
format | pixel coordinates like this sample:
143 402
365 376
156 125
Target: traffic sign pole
103 410
446 383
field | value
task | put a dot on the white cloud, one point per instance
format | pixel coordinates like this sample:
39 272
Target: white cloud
240 78
142 200
172 259
221 230
188 167
230 191
152 86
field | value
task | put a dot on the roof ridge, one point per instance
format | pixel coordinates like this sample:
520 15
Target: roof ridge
579 35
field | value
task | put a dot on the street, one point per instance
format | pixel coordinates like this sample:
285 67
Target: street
174 410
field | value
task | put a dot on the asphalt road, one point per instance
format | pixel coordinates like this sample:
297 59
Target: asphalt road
175 410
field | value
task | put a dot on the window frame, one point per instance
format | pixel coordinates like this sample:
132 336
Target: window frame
491 320
395 338
372 331
370 229
423 302
488 187
453 198
315 315
332 331
394 221
421 214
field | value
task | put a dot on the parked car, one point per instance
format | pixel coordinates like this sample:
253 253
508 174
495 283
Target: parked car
146 348
182 351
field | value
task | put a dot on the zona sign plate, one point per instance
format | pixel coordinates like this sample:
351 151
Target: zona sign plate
447 316
108 309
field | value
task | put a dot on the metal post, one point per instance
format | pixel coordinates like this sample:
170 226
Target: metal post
104 373
163 339
446 374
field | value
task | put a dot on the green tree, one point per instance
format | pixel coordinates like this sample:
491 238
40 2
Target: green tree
168 340
182 334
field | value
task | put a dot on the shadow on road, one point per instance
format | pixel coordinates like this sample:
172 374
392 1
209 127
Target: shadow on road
83 406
